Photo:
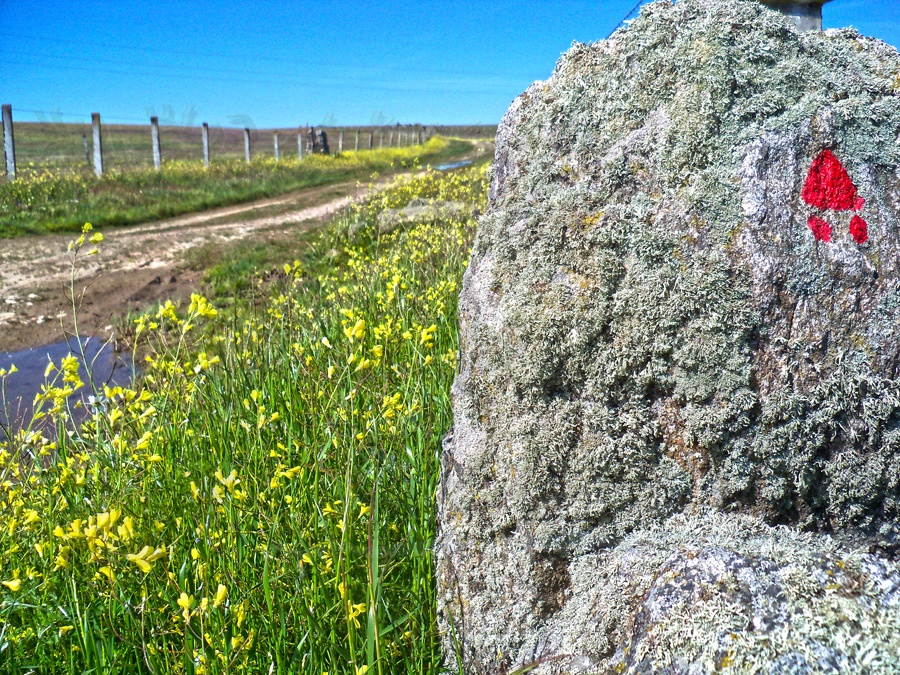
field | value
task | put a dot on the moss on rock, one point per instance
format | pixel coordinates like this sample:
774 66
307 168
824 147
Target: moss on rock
649 327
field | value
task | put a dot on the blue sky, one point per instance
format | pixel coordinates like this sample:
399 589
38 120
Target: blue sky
282 64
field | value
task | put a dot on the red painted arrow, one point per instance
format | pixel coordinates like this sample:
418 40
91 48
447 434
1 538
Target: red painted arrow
829 187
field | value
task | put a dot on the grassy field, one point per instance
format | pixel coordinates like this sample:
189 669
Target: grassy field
263 502
54 201
49 146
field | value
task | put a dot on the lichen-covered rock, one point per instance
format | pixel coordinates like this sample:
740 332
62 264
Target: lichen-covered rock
685 297
725 593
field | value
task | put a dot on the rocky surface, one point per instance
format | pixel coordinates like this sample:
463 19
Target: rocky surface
679 303
724 593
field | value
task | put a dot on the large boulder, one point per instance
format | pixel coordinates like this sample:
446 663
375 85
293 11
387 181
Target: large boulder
684 300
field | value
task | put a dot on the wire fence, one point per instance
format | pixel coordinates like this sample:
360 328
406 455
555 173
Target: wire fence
34 147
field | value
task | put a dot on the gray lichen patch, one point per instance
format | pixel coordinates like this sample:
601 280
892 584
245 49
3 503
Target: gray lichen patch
648 325
735 597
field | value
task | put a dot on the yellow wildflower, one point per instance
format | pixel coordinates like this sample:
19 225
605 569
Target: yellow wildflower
13 585
221 595
126 529
185 601
229 481
357 331
144 557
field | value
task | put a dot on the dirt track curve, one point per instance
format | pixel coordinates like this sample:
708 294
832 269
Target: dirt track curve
136 265
142 264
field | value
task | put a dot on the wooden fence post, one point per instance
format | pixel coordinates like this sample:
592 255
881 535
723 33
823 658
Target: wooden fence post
247 145
371 139
154 137
356 145
87 151
391 139
380 139
9 147
275 141
341 142
98 146
206 145
300 143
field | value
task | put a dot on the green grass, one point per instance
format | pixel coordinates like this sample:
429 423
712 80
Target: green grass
54 202
264 500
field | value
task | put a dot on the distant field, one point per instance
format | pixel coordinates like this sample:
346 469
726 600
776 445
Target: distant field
53 201
58 146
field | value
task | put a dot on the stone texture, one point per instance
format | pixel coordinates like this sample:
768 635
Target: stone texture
747 598
723 593
650 329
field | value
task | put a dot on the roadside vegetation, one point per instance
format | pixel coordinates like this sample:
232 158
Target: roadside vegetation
54 201
262 500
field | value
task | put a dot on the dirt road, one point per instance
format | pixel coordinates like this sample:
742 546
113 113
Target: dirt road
136 266
140 265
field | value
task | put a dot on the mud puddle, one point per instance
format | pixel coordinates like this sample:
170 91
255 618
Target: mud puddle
99 363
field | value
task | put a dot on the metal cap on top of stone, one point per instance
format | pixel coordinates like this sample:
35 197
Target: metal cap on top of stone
807 14
676 435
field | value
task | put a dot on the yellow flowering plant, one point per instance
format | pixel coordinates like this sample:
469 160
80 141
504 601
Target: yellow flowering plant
261 500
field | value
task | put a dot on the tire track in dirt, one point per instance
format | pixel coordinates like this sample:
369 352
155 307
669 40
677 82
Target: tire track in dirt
33 262
136 265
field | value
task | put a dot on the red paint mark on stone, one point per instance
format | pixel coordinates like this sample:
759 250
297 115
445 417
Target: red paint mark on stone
828 185
820 229
859 229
